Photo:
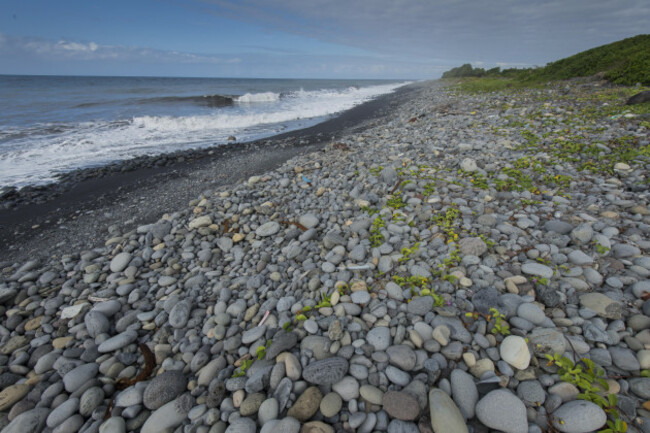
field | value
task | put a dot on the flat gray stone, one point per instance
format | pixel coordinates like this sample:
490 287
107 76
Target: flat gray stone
641 387
538 269
624 358
309 220
582 234
282 341
79 376
253 334
558 226
30 421
96 323
62 412
622 251
472 246
546 340
180 314
90 400
379 338
347 388
169 415
420 305
577 257
399 426
117 342
268 229
531 392
578 416
532 313
397 376
503 411
360 297
164 388
402 356
285 425
464 392
120 262
603 305
326 371
445 415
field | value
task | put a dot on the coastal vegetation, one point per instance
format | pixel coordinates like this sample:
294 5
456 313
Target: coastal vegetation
625 62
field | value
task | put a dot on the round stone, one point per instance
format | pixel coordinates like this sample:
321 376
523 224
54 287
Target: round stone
164 388
514 350
401 405
503 411
268 229
120 262
379 338
331 404
578 416
538 269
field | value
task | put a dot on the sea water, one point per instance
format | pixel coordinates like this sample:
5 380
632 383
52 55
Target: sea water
51 125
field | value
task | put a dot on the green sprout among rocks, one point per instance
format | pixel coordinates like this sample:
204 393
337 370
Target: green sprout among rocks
500 323
591 380
408 253
241 371
376 238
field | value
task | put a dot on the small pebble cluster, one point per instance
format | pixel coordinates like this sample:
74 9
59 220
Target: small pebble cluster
408 278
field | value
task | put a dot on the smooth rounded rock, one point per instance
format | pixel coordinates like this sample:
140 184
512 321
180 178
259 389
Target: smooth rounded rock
578 416
268 229
503 411
379 338
326 371
120 262
117 342
331 404
79 376
445 415
306 405
401 405
514 350
169 415
464 392
164 388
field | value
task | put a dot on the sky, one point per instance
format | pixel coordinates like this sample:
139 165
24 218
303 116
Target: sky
388 39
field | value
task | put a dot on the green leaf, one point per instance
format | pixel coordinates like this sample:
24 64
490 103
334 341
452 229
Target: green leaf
306 308
603 383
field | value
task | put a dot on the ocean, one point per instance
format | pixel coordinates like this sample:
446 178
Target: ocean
51 125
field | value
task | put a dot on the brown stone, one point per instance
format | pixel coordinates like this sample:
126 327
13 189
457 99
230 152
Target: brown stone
306 405
11 395
316 427
401 405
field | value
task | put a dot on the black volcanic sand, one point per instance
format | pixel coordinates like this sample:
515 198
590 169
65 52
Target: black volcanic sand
81 210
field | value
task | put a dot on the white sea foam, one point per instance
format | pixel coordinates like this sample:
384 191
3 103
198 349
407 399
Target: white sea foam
258 97
38 158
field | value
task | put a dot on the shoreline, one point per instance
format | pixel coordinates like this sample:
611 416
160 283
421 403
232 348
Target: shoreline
34 220
432 272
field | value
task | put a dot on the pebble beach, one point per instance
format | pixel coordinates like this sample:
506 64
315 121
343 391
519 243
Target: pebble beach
413 276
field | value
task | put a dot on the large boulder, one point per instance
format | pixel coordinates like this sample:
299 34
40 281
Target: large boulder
639 98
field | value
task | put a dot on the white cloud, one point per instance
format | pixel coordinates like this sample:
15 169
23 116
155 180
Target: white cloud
454 30
89 51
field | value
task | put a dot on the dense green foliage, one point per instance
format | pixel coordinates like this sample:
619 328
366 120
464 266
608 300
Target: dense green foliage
624 62
467 71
